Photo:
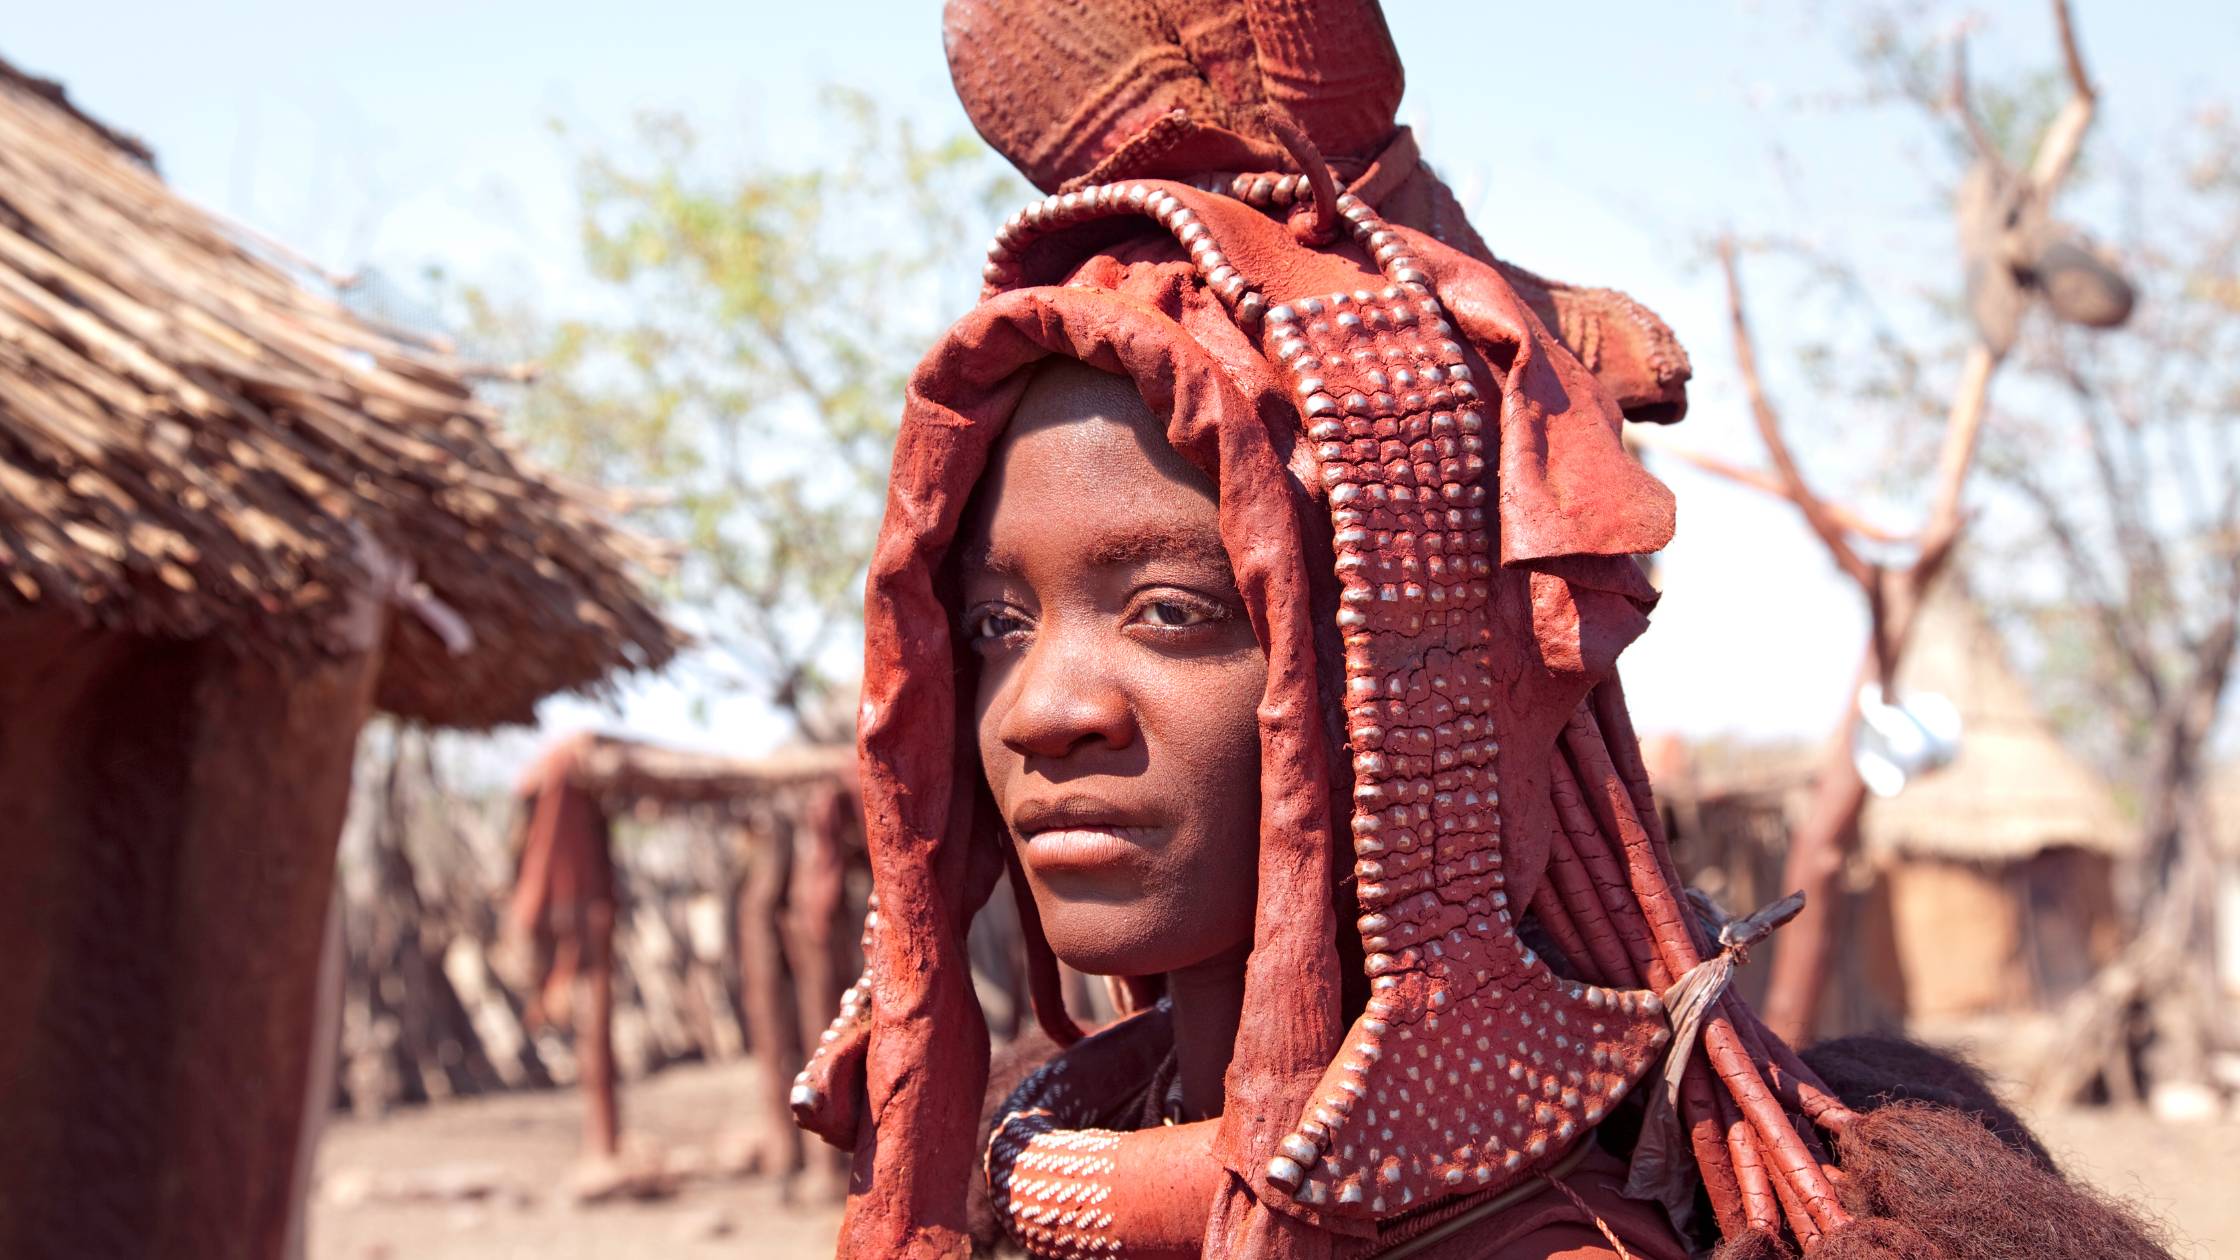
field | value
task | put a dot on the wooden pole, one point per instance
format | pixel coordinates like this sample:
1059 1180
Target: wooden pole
775 1144
602 1117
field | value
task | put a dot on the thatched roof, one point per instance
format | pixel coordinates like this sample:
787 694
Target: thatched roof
193 441
2014 790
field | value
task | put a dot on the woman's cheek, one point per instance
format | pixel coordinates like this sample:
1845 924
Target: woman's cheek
995 758
1225 767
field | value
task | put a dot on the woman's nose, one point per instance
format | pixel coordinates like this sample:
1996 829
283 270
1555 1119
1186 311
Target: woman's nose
1064 699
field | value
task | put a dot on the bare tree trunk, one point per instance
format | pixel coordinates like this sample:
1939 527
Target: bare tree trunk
2164 978
1819 848
1822 842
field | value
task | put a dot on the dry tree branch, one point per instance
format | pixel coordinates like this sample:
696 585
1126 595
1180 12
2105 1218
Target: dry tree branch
2057 149
1961 102
2144 565
1963 425
2079 81
2085 586
1791 480
1758 479
2228 571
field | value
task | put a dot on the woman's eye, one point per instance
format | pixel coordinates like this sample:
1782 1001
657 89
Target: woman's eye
991 625
1173 614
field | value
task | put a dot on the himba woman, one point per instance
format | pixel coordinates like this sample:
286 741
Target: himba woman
1256 560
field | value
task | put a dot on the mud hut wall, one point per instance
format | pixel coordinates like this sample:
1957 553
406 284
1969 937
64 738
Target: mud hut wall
1958 931
164 879
1931 936
1978 938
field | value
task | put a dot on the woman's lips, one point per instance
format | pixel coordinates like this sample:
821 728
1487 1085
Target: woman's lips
1095 848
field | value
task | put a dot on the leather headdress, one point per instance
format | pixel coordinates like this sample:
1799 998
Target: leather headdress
1432 522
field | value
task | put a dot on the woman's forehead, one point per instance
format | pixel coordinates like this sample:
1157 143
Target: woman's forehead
1084 472
1061 390
1076 423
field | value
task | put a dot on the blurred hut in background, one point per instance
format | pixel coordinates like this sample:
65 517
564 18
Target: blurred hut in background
1729 808
1985 888
1999 870
235 521
793 821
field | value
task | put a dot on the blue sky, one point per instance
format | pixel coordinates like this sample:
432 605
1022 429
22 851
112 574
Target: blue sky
1602 144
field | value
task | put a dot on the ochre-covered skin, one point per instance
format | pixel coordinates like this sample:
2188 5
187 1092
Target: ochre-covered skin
1431 523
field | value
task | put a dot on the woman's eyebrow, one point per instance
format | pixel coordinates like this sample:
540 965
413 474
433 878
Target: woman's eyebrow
985 558
1137 546
1132 547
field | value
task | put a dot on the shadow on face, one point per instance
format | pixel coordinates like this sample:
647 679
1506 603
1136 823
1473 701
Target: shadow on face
1119 680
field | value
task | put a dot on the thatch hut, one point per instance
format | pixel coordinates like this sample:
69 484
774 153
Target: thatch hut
1998 870
1983 887
235 520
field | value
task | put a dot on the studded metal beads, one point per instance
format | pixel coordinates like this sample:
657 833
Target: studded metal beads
1474 1063
1062 210
855 1008
1263 191
854 1019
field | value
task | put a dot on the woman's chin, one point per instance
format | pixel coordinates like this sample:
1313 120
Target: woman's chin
1122 940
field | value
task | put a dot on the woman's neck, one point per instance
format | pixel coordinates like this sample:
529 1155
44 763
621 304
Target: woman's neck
1208 1000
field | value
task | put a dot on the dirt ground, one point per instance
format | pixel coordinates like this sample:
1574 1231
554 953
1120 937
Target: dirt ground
488 1179
2187 1174
485 1179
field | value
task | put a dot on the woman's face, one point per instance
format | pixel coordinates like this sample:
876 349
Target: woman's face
1119 681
